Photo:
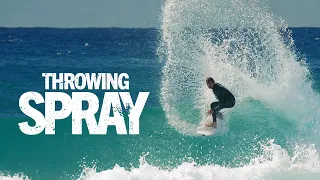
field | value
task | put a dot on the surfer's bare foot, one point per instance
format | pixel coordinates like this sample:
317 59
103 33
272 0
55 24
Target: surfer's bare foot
213 124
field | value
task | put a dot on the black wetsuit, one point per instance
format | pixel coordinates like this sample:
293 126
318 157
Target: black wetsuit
225 99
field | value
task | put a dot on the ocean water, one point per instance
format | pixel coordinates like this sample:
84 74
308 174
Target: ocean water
274 71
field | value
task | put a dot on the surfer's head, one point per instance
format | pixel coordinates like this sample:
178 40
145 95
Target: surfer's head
210 82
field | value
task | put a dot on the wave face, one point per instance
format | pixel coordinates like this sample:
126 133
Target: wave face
241 45
250 51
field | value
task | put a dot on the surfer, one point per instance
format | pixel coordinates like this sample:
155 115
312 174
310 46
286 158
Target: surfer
225 100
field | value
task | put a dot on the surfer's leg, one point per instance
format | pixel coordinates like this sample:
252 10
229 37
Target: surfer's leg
215 107
223 105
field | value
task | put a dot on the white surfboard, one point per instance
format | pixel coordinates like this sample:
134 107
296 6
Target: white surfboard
203 130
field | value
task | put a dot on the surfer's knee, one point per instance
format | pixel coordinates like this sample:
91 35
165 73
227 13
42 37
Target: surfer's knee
231 102
212 105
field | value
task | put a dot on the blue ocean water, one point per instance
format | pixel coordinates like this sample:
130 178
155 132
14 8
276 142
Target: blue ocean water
26 53
271 133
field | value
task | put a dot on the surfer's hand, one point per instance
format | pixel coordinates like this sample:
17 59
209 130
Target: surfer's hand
210 111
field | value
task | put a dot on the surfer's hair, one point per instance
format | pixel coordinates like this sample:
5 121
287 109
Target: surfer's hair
209 79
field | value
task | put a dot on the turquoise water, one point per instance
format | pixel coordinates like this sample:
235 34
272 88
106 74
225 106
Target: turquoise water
271 133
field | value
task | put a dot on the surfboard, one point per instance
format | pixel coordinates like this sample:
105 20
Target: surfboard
203 130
